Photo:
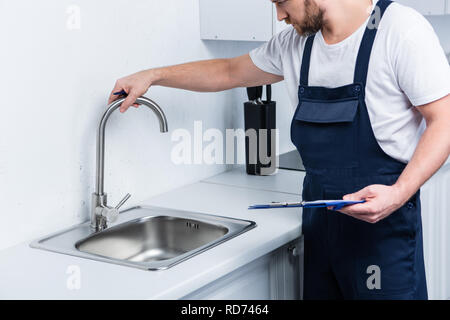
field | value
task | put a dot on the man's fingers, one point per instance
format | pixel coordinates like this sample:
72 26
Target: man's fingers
370 218
356 196
362 211
359 195
359 208
130 100
349 197
112 96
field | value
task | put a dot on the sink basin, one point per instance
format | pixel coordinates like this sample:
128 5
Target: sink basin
150 238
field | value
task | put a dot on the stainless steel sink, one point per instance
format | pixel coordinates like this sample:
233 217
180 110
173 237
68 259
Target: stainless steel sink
150 238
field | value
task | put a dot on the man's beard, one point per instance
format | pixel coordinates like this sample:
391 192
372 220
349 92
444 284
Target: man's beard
312 22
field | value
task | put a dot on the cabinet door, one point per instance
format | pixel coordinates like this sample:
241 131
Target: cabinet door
426 7
250 282
277 275
248 20
436 238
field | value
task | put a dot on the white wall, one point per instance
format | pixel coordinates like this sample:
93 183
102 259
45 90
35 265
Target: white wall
55 82
441 25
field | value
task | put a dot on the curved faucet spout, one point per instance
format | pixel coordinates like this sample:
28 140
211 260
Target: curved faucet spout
99 196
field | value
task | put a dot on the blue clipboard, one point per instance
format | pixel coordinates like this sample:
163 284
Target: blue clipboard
336 204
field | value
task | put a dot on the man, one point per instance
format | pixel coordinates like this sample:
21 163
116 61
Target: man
372 123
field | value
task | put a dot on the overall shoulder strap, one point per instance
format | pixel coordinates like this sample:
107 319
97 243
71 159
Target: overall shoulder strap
304 73
362 61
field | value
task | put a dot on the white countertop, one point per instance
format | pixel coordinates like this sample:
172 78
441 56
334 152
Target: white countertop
284 181
27 273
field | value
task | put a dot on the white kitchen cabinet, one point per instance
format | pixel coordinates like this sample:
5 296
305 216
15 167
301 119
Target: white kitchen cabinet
427 7
436 237
256 20
274 276
249 20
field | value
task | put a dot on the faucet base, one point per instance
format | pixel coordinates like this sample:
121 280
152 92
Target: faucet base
97 221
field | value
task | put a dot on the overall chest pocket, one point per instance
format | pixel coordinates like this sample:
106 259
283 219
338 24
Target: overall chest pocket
325 133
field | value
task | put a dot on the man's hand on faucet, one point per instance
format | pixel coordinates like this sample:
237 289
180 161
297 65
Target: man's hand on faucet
134 85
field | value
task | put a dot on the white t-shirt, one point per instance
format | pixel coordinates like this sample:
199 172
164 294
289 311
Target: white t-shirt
408 67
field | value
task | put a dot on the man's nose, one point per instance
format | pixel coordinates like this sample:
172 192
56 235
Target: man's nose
281 14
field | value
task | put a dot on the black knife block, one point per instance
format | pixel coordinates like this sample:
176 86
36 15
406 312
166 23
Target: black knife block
256 117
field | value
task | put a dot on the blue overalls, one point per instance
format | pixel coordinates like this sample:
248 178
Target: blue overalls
347 258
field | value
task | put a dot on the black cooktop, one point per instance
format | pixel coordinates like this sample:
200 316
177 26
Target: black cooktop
291 160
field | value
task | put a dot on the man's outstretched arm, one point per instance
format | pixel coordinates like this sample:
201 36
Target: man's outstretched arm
202 76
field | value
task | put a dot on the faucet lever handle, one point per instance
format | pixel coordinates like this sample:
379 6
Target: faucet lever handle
127 196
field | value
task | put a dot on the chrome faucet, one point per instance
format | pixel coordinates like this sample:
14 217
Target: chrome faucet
101 213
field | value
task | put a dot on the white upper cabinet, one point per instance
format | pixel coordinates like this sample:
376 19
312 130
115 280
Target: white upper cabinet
246 20
427 7
256 20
